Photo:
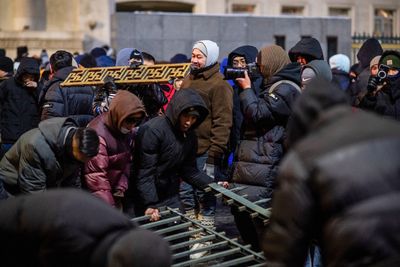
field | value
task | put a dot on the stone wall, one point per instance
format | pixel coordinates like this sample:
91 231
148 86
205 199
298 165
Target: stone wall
165 34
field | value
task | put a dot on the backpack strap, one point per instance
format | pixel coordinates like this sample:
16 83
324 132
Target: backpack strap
275 85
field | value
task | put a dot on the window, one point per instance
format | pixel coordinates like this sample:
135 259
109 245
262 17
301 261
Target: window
280 40
243 9
292 10
339 12
383 22
332 42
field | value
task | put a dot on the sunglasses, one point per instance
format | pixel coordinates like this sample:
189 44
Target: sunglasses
133 120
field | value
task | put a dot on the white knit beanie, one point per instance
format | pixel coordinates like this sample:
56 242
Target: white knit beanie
340 62
209 49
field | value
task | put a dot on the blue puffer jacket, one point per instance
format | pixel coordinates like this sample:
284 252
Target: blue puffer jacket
73 102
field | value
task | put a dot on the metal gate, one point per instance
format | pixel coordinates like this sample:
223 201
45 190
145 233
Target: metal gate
178 229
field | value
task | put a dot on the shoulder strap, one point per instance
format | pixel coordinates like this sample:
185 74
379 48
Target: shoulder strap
275 85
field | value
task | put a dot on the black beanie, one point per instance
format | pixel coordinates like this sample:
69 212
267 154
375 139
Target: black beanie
140 247
6 64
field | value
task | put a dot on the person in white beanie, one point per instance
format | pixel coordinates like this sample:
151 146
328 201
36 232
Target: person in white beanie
213 134
340 66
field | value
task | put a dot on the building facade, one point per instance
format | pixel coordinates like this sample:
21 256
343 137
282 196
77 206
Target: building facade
79 25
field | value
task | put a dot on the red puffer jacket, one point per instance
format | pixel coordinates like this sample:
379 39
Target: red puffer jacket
106 175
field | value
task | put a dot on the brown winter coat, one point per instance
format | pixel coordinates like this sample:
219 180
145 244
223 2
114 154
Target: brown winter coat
213 133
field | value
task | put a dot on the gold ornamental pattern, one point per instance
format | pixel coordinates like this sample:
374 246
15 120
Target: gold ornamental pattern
159 73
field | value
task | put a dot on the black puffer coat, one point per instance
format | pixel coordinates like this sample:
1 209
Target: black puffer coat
73 102
19 105
339 184
163 154
265 117
38 160
58 228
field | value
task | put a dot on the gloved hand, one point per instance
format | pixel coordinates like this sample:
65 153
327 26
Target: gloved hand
372 84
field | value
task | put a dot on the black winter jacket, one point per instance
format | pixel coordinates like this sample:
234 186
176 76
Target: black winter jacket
73 102
61 228
164 155
339 184
249 53
385 102
18 104
39 160
265 117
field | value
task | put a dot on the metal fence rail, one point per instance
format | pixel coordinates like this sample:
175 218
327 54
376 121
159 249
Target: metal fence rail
179 230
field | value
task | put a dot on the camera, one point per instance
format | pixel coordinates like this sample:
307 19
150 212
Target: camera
136 59
231 73
382 74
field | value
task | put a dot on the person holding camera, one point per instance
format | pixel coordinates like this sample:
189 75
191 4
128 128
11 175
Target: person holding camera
265 116
383 90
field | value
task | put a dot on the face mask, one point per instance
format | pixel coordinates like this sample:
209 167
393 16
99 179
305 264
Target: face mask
124 130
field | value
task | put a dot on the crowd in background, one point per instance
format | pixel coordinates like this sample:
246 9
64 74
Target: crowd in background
318 140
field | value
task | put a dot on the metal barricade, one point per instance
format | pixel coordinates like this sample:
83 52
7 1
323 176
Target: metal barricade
179 230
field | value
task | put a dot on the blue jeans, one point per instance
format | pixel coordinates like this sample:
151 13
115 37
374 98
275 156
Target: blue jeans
196 199
313 257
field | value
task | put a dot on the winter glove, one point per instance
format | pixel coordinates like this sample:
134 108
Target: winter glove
372 84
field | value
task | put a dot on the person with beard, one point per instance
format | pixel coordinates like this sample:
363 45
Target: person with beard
358 87
19 103
106 175
48 156
213 134
165 152
339 184
385 99
266 115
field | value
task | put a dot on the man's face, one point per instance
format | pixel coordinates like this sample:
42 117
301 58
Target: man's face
302 60
393 72
27 78
198 59
186 121
239 62
374 70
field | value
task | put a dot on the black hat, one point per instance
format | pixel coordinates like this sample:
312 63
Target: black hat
6 64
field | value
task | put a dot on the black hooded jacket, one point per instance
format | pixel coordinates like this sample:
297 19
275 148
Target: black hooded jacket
39 160
164 155
310 48
249 53
370 49
18 104
341 179
74 102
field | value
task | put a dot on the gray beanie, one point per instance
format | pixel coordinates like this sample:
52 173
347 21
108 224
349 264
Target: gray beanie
209 49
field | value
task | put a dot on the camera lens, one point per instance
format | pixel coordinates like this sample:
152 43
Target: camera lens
382 74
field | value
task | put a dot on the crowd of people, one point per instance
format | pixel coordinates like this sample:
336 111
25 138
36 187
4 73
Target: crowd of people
316 139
